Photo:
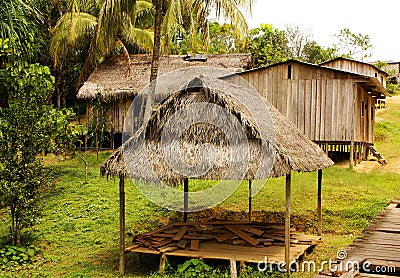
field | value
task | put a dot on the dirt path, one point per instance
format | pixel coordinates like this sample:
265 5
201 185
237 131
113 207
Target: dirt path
394 99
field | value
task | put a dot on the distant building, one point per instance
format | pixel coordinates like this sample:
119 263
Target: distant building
393 69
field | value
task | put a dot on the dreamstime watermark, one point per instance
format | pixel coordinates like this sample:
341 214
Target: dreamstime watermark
191 124
338 265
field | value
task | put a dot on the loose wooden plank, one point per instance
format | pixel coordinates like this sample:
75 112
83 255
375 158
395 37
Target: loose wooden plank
252 230
239 241
194 244
182 243
224 237
242 235
180 234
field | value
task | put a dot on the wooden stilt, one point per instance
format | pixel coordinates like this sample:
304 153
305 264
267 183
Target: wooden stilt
185 199
351 154
242 265
161 268
233 268
287 222
319 207
250 196
121 225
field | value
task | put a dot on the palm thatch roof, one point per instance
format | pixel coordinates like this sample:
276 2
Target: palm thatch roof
215 149
114 79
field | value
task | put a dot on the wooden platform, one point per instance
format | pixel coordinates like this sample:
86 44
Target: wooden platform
380 245
227 240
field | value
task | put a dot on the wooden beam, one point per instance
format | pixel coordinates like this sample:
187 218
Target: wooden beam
121 224
351 154
319 207
185 199
287 222
250 196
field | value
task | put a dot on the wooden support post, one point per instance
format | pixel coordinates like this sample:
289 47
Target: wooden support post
161 268
233 268
242 265
185 199
326 149
121 224
319 207
351 154
287 222
250 196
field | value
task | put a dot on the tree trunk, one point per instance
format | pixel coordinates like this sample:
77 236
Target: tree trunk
155 59
12 228
157 39
126 55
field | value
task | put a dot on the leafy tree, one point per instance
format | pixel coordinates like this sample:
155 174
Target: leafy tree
224 39
297 40
315 54
357 46
28 128
268 45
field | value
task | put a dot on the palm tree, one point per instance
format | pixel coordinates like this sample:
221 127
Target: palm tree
169 20
17 24
98 27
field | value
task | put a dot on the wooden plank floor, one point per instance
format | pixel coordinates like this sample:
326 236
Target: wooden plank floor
235 241
380 244
223 251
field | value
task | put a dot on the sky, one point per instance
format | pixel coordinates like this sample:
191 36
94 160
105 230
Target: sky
380 20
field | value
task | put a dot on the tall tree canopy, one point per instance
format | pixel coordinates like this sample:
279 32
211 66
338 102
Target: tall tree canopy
98 27
190 17
18 22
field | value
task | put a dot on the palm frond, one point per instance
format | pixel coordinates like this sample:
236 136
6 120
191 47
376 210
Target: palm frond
142 38
72 31
17 22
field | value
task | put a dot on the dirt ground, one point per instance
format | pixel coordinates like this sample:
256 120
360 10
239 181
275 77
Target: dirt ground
393 166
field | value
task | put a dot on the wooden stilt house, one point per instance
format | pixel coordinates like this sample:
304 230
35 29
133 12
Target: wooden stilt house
333 107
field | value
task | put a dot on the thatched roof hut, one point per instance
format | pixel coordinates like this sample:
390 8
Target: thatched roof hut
115 80
270 137
119 83
191 135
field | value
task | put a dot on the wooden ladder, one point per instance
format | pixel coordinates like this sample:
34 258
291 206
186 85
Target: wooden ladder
380 158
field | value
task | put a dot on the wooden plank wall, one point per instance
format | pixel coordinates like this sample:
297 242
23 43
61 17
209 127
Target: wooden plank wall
116 114
319 102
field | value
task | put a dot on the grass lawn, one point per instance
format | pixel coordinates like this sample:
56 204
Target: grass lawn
78 235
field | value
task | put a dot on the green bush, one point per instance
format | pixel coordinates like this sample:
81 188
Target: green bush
393 89
13 256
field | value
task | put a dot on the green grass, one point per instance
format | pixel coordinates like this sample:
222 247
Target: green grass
387 131
79 232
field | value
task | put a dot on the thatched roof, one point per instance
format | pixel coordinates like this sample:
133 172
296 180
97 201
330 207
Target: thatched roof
114 79
272 147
